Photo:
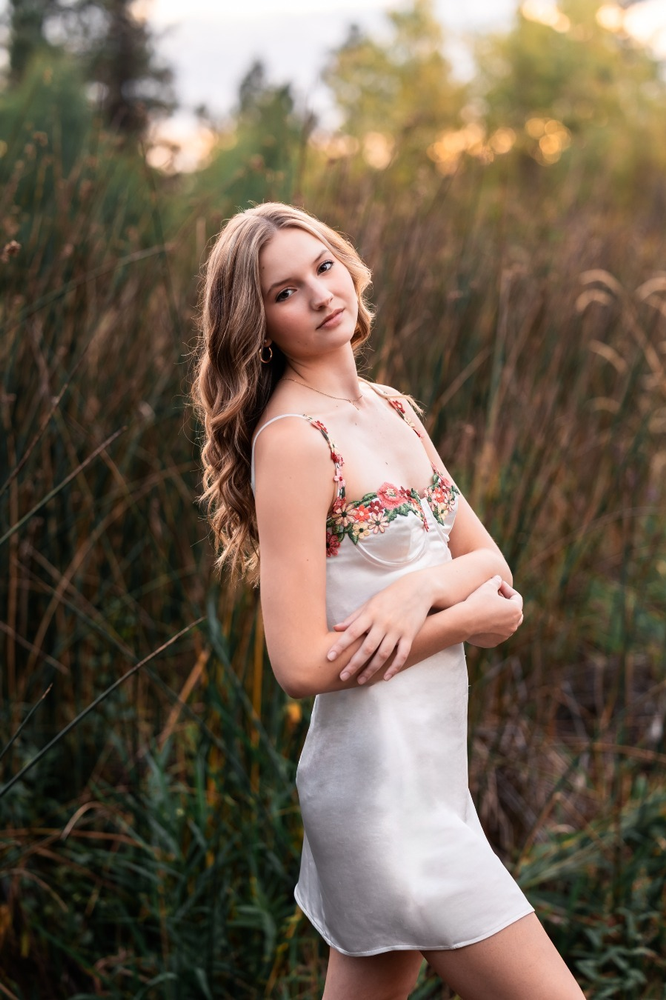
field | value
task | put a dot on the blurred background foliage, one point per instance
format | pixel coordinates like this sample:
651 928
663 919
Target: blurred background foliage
514 224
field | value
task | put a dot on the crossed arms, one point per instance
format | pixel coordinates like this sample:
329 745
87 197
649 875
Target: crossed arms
415 617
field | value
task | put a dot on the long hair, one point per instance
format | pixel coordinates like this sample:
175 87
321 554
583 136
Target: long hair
231 386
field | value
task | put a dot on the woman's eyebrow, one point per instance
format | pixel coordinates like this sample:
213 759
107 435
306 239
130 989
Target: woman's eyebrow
286 281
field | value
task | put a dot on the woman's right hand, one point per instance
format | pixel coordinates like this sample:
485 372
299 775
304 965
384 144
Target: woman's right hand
495 610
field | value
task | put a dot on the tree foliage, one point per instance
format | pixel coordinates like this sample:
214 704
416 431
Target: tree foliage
258 152
120 58
574 85
112 47
27 20
395 95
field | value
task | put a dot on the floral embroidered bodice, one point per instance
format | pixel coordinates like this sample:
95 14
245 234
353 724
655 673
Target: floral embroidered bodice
374 512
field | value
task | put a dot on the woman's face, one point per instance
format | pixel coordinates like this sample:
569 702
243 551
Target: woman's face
309 296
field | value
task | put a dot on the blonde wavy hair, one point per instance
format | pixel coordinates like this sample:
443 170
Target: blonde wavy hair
231 387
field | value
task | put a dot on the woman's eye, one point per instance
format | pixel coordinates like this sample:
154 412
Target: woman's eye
286 293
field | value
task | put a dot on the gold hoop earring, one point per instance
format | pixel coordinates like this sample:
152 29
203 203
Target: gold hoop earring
264 360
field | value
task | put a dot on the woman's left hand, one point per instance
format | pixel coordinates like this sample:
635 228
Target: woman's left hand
488 640
390 621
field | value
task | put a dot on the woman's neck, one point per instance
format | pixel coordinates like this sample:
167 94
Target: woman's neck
339 378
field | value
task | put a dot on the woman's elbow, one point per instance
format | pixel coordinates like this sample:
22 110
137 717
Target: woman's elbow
503 567
296 689
292 680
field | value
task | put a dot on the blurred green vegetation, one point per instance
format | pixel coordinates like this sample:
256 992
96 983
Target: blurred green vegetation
260 155
514 225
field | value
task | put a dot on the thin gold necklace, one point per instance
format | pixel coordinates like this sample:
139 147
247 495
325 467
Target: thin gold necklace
321 391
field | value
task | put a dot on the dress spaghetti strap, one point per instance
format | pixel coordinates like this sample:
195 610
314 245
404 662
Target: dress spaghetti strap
397 406
337 459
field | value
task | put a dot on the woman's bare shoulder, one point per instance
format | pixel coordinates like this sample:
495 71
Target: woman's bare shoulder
291 454
286 432
282 403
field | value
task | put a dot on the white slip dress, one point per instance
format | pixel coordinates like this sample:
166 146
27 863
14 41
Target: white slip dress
394 856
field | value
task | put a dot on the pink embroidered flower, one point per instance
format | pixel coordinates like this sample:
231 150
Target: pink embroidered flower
378 523
332 543
392 496
342 514
338 459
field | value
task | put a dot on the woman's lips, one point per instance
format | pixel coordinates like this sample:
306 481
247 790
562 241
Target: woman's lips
330 320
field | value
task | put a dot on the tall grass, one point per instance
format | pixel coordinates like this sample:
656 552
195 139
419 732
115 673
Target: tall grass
152 852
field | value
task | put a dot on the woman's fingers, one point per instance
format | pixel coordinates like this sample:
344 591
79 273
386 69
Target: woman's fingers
385 649
363 653
357 628
517 598
402 652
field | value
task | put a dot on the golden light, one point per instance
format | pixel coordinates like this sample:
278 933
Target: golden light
545 12
178 146
554 141
502 140
550 147
611 17
335 147
294 712
553 138
535 127
378 149
451 144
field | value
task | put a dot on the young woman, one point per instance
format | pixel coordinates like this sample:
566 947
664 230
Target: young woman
374 571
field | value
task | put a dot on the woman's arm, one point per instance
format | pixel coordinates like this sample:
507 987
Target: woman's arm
293 490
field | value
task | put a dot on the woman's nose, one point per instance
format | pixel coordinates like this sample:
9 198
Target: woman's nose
321 295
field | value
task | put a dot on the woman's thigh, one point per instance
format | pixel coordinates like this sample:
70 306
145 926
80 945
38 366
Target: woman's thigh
518 963
389 976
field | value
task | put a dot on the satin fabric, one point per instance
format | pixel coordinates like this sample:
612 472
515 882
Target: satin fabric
394 856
